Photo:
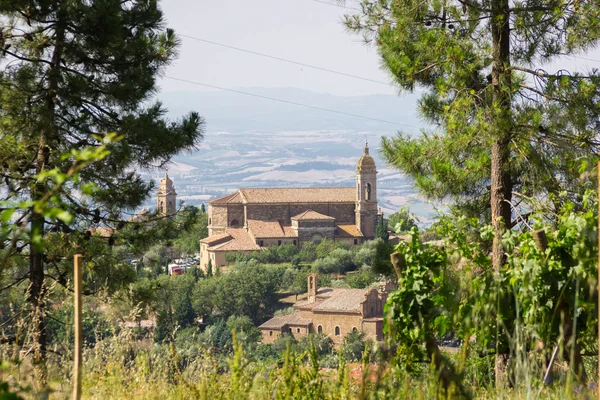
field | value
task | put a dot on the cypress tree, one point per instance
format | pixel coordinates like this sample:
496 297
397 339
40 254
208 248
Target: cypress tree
382 230
209 269
71 73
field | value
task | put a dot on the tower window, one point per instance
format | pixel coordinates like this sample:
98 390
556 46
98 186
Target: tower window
368 192
337 331
320 329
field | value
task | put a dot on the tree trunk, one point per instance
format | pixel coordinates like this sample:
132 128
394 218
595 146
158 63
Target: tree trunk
36 257
501 187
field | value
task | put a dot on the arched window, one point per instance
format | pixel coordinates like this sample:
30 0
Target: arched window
354 330
311 282
234 223
161 206
316 238
320 329
368 192
169 206
337 331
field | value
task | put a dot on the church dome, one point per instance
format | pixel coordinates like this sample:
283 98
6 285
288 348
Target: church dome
365 162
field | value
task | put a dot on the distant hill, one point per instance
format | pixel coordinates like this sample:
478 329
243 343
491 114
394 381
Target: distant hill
234 112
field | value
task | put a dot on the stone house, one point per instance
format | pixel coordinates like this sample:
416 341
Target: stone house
253 218
334 312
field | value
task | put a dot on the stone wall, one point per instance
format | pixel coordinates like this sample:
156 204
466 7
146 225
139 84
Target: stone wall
275 242
299 208
270 335
235 213
297 331
217 219
373 306
329 320
342 212
204 256
308 229
373 329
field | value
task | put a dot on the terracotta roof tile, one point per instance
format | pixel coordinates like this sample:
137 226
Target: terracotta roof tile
241 241
230 198
347 231
282 320
269 229
343 300
310 215
216 239
299 195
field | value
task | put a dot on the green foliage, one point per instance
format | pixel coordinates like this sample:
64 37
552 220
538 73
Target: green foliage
353 346
248 290
76 127
270 255
362 278
490 98
423 306
326 247
172 300
308 252
209 269
339 260
188 241
382 230
402 220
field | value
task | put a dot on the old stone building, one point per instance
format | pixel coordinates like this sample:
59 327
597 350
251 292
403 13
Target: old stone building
334 312
166 197
251 219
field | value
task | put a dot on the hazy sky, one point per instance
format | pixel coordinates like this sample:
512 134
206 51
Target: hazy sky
306 31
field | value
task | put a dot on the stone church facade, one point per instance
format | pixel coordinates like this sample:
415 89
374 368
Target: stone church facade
333 312
251 219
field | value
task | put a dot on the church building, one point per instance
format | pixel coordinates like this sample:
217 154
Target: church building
251 219
334 312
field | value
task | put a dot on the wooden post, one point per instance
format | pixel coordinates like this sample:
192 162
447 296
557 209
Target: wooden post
78 330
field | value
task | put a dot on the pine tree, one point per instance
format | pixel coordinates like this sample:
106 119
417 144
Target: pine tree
209 269
202 208
508 132
72 72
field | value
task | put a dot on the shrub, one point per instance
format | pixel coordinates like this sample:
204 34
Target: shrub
308 252
362 278
354 346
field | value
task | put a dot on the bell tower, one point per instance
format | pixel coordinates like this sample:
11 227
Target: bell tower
166 202
366 195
